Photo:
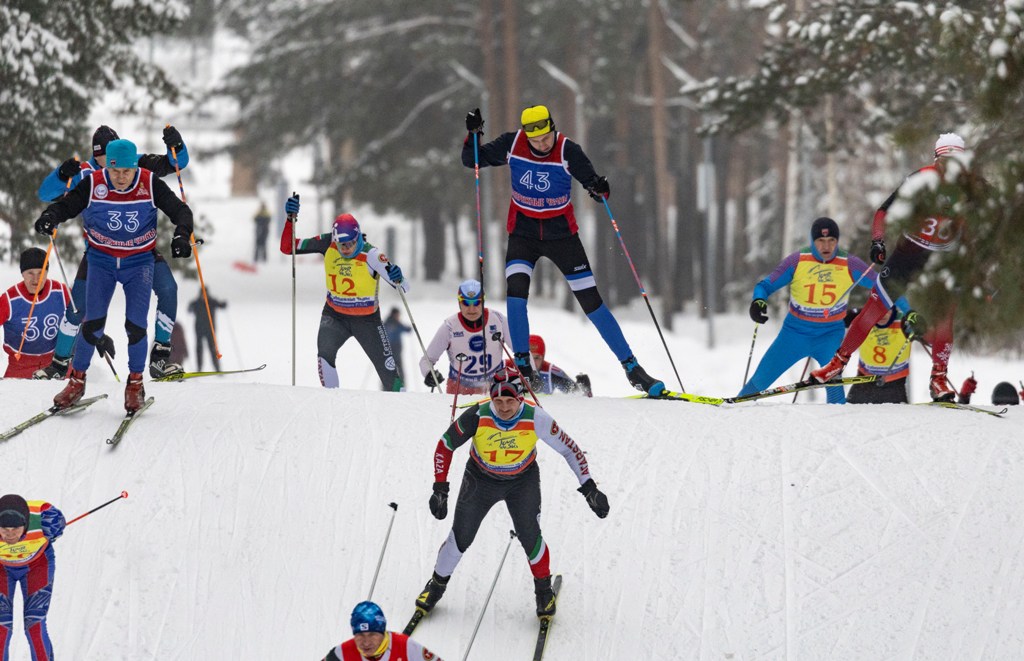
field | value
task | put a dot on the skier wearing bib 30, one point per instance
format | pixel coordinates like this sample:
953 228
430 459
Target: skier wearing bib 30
502 466
353 267
542 223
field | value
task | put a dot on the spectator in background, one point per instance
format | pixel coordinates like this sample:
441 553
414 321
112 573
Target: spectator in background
262 221
204 333
394 328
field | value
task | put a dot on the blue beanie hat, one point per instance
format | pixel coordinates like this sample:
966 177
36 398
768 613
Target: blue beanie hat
367 616
122 154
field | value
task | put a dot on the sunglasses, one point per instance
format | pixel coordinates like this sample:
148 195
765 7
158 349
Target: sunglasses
537 126
470 302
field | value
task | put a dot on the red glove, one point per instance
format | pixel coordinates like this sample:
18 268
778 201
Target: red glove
967 389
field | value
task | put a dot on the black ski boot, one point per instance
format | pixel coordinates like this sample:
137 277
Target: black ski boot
160 364
640 379
525 367
545 596
432 592
57 369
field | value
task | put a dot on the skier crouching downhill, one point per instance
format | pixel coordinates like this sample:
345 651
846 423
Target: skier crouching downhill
502 466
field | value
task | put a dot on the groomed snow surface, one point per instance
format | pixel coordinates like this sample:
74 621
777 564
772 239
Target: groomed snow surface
774 530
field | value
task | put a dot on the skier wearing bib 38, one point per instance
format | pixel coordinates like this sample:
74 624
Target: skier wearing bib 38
353 267
541 223
51 297
118 206
502 466
933 233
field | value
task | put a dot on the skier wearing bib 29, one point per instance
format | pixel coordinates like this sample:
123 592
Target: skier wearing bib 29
542 223
353 267
502 466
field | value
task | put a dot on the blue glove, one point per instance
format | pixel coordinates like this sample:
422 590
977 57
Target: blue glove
291 207
52 523
395 274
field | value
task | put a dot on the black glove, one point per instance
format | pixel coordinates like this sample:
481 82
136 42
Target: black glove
851 314
105 346
173 139
595 498
913 325
474 121
433 379
878 251
69 169
46 223
599 189
180 246
583 383
759 310
439 500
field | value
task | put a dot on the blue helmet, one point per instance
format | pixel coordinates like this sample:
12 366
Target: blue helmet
367 616
346 228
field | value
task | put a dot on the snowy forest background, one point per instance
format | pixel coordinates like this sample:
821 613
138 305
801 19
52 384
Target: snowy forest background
724 127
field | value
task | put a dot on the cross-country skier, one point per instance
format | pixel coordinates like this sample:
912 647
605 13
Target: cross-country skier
932 233
502 466
15 303
27 532
371 640
119 208
542 223
817 276
164 285
353 267
552 377
461 334
878 356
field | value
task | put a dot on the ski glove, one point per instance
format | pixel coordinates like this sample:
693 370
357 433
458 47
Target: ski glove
759 310
851 314
583 383
52 523
599 189
439 500
395 274
69 169
595 498
291 207
173 139
878 251
180 246
969 387
46 223
913 325
433 379
474 121
105 346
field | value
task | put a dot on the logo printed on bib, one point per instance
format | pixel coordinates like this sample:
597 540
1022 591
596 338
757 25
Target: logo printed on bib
101 191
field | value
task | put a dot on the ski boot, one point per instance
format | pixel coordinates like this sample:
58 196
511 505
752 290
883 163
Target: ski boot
545 596
134 393
160 364
525 367
432 592
833 370
640 379
939 386
72 392
57 369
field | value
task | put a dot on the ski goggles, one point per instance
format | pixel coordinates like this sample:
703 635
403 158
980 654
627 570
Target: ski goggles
471 302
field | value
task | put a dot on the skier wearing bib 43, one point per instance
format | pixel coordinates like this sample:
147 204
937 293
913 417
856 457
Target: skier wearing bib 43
542 223
502 466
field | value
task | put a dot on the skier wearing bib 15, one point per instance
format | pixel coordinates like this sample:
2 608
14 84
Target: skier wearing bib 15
353 267
542 223
51 297
28 530
932 233
119 207
816 277
372 641
461 334
502 466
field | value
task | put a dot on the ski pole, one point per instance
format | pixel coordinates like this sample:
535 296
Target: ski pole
124 494
807 363
511 535
35 296
750 355
880 381
458 383
412 322
526 382
293 218
828 310
387 536
643 292
195 255
479 239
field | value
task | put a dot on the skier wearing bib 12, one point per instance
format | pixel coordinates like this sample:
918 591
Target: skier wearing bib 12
933 233
118 205
353 267
541 223
502 466
461 334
